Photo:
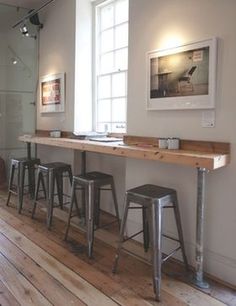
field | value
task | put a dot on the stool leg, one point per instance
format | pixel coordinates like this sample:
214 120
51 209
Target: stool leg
71 181
156 223
38 177
89 218
121 236
21 179
50 184
180 231
115 201
11 177
31 180
59 182
71 209
96 206
145 229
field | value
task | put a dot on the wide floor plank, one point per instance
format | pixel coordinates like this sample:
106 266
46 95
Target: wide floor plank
24 292
6 298
55 292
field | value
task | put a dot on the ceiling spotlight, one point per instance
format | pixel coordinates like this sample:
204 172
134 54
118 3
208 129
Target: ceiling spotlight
24 30
14 61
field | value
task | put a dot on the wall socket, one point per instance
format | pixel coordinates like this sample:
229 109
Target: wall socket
208 118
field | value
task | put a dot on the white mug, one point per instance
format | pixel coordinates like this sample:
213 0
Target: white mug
163 143
173 143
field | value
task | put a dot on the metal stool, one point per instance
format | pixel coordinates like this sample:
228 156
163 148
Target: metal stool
91 182
154 199
54 173
21 165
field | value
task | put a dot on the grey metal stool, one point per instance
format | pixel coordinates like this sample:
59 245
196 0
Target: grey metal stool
21 165
154 199
92 183
54 173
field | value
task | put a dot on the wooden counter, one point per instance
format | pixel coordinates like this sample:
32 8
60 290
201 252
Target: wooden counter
209 157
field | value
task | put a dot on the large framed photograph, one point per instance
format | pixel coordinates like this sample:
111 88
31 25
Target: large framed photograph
52 93
183 77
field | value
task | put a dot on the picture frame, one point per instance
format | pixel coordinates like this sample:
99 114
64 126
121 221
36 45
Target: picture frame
52 93
182 77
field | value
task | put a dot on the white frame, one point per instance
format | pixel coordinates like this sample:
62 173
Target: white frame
185 102
53 107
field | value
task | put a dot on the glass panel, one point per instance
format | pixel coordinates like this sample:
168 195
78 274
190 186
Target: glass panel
107 40
103 127
121 36
104 87
121 59
118 85
106 63
18 79
119 110
118 127
122 11
107 13
104 110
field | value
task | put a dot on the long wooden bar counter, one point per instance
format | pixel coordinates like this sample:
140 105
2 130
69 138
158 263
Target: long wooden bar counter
204 156
212 158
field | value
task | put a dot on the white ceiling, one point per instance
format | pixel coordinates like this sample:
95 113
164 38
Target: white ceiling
24 3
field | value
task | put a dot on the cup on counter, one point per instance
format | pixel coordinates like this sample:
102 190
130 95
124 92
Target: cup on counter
55 133
163 143
173 143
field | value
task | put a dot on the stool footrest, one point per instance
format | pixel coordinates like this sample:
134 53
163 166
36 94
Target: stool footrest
171 238
171 254
134 235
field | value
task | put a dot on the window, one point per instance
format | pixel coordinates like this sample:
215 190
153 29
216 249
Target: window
111 67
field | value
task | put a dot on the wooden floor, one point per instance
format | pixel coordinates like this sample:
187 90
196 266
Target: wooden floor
38 268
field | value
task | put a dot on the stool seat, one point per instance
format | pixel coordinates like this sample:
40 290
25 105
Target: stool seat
21 165
153 199
54 173
91 183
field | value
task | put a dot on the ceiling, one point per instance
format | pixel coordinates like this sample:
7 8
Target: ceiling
24 3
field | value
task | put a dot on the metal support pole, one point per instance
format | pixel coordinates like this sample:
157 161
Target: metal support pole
83 171
201 185
28 150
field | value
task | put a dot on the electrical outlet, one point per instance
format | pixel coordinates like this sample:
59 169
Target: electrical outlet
208 118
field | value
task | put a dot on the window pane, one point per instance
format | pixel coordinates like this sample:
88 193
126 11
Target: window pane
118 85
106 63
118 127
104 110
104 87
121 36
122 11
121 59
119 110
107 40
107 16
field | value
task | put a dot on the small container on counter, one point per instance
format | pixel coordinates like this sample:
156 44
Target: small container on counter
163 143
173 143
55 133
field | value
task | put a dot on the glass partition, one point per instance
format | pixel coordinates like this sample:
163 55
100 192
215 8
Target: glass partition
18 82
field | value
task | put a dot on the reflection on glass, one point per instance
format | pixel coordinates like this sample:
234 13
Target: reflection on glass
121 36
121 11
106 63
119 110
104 85
106 17
104 110
118 85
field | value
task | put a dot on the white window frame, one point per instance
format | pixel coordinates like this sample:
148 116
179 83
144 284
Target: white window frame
96 54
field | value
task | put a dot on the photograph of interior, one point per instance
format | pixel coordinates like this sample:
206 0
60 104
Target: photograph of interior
117 143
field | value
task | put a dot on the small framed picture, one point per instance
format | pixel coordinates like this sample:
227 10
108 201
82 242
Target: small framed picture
52 93
183 77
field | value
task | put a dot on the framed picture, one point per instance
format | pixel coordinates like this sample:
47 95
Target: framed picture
52 93
183 77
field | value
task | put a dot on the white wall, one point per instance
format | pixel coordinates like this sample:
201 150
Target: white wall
154 24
